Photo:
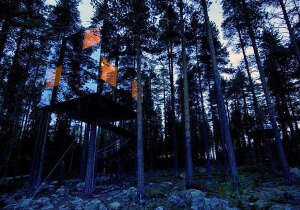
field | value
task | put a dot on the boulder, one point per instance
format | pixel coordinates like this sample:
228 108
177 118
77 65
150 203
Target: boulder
62 190
93 204
211 203
176 200
102 207
115 205
43 200
77 202
192 194
131 192
80 186
63 207
48 206
23 203
295 172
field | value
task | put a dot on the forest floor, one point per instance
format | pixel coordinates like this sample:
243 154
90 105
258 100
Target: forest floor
163 190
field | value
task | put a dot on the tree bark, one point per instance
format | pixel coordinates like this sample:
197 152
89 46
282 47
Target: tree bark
270 105
48 118
173 120
140 142
90 171
204 117
84 151
258 115
220 99
188 143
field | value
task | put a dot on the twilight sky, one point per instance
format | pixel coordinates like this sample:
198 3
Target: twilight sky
215 14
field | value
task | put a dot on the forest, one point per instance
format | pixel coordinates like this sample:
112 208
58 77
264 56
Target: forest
151 104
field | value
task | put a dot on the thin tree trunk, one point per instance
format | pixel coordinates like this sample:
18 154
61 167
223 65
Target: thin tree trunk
257 112
43 152
293 112
221 105
205 123
215 134
84 151
205 129
140 142
48 117
187 132
173 120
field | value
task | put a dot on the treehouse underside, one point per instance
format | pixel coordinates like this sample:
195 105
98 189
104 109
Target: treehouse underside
98 109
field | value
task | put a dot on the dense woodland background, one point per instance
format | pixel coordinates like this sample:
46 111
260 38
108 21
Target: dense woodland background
197 110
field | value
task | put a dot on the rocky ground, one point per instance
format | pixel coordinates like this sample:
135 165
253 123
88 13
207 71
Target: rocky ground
164 191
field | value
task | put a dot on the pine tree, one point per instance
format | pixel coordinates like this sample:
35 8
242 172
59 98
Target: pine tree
221 105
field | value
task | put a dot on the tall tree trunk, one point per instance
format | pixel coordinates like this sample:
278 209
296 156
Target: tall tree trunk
48 119
216 136
270 106
204 117
294 118
173 120
205 129
220 99
84 151
140 142
290 29
90 171
257 112
187 132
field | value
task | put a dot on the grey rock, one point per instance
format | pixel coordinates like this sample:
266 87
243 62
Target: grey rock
211 203
131 192
54 182
23 203
176 200
281 206
115 205
43 200
192 194
63 207
159 208
102 207
62 190
77 202
47 187
93 204
80 186
48 206
295 172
